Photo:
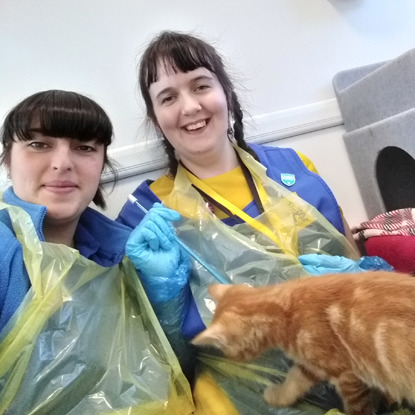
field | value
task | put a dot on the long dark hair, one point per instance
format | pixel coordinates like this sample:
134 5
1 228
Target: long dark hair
58 114
182 52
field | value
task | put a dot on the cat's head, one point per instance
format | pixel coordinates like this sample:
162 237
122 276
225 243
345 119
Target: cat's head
233 329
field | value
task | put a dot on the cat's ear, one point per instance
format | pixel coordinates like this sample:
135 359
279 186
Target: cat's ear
212 336
217 291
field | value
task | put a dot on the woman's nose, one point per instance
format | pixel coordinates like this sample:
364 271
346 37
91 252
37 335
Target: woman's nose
62 158
190 104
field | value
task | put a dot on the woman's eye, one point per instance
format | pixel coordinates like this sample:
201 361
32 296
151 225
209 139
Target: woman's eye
86 148
202 87
167 100
37 145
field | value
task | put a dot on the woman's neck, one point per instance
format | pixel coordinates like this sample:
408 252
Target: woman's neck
210 165
62 234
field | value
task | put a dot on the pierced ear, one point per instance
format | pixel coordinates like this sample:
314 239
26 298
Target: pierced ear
209 337
217 291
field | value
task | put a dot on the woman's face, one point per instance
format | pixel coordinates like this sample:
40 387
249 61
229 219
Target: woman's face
191 110
62 174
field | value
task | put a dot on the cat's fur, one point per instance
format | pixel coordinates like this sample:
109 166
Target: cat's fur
356 331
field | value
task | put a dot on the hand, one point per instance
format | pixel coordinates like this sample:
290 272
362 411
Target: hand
319 264
152 245
163 266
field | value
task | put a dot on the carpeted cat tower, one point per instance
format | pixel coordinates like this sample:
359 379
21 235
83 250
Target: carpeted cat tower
377 103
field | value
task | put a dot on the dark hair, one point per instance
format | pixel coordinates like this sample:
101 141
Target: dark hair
58 114
183 53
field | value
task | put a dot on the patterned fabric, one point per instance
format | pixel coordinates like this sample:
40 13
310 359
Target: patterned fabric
396 222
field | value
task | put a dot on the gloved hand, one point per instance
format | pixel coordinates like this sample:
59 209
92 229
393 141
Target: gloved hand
163 266
319 264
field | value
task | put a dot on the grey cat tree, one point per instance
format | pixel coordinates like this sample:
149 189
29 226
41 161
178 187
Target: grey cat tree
377 103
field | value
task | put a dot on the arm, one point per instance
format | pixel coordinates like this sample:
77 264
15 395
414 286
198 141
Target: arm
14 281
164 269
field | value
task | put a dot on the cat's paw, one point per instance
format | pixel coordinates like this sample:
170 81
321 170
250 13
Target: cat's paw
278 395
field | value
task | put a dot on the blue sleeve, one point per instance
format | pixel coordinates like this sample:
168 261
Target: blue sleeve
14 281
172 313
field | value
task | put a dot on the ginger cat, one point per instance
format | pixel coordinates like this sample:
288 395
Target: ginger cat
356 331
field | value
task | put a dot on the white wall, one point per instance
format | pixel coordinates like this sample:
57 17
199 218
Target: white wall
284 53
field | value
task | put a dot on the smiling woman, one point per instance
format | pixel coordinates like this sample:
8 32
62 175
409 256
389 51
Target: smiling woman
270 197
65 284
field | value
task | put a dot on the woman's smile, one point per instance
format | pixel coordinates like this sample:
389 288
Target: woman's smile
59 186
196 126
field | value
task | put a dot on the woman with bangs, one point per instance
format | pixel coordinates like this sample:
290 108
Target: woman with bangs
73 321
54 149
192 104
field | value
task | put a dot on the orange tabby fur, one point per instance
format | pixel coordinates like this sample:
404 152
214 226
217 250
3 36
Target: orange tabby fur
356 331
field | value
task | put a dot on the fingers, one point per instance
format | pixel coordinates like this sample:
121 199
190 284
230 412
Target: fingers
157 235
155 239
161 217
156 231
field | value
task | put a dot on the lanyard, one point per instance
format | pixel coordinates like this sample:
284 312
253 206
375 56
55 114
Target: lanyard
231 209
215 201
251 184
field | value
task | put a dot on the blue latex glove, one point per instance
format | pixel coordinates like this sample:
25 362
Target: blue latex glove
319 264
163 266
374 263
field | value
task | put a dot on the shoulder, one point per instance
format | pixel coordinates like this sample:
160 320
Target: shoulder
307 162
8 241
163 186
282 159
270 153
36 212
14 282
307 183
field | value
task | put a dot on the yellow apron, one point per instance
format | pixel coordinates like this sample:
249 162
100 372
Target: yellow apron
261 251
85 340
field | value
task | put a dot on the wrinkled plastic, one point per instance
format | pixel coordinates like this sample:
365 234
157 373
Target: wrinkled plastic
85 340
243 254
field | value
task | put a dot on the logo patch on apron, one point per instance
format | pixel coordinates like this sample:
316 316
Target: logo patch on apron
288 179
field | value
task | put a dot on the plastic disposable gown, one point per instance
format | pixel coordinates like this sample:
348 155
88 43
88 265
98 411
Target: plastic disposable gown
85 340
258 252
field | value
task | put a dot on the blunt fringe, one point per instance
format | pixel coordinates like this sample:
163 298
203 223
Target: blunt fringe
182 52
58 113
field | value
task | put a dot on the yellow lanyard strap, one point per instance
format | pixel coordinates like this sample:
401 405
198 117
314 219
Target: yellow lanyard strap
235 210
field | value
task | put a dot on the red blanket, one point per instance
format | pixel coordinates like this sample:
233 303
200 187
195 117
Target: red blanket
391 236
